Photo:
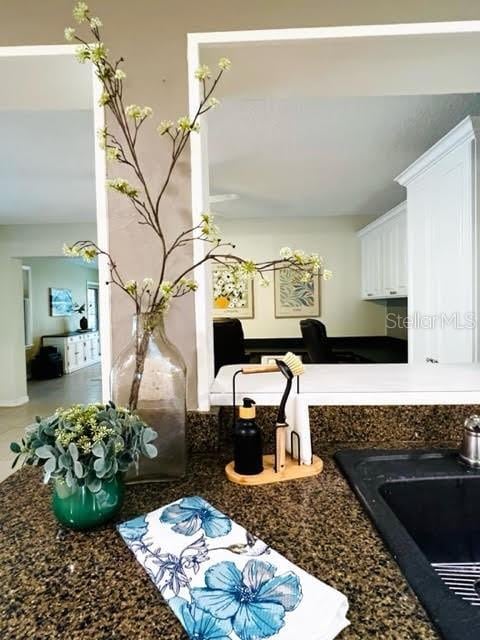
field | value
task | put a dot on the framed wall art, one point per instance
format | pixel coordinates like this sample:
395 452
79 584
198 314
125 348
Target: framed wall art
294 298
230 299
61 302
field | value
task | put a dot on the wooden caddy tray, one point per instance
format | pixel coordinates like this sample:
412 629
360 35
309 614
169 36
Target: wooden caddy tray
292 471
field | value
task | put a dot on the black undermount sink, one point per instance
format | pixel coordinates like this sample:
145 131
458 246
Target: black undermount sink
426 506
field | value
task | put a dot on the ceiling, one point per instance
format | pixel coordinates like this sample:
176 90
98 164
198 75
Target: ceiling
323 128
323 156
47 141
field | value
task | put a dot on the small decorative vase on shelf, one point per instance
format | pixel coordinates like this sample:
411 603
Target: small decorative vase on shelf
83 323
149 377
79 508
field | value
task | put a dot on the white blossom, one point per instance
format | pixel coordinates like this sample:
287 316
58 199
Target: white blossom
69 34
102 138
80 11
113 153
104 99
120 74
208 229
88 253
131 286
148 284
82 53
136 112
213 102
185 124
164 127
96 23
327 274
224 64
286 253
203 72
166 289
122 186
188 283
70 251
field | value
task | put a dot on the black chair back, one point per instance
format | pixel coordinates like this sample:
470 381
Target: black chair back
228 342
314 335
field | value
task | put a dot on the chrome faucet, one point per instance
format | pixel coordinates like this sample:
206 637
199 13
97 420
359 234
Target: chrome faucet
470 450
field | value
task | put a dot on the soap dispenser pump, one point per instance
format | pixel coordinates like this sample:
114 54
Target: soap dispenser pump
248 447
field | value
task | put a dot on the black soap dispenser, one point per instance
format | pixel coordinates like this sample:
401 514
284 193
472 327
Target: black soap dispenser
248 447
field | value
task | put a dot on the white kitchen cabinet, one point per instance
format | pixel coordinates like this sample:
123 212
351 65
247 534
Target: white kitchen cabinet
383 247
78 350
442 223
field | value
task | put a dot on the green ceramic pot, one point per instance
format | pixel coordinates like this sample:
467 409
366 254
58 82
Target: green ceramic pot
82 509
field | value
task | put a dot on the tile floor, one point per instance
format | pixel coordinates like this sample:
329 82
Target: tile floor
45 396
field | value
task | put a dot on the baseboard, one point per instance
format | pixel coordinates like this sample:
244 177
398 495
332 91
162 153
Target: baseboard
15 402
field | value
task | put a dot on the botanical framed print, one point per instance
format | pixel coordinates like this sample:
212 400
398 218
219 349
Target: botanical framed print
294 298
61 302
231 299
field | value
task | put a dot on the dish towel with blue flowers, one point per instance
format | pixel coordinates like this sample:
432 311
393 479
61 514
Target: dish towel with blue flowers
224 584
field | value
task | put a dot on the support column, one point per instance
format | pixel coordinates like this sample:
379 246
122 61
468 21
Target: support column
13 373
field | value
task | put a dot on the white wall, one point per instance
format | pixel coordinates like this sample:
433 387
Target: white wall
334 238
60 273
16 242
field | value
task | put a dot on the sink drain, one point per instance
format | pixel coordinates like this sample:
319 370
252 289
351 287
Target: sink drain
463 579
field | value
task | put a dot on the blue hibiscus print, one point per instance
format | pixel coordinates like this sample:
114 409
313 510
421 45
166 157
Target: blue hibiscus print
133 530
192 514
199 624
255 600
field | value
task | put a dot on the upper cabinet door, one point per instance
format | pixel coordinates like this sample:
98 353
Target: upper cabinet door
442 248
371 252
402 244
384 256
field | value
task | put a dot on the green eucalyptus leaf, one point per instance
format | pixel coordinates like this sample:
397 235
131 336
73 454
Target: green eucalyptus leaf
50 465
150 450
69 479
102 473
45 451
98 450
15 447
94 484
15 462
78 468
73 450
148 435
65 461
99 465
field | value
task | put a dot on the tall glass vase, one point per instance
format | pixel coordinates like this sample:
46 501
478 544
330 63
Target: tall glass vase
149 377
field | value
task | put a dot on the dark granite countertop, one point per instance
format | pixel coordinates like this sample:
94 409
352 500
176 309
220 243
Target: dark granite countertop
60 584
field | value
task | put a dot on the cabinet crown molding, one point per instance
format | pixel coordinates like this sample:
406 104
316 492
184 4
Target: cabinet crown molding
395 211
467 129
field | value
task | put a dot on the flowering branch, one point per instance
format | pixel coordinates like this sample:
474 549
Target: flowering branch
153 296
